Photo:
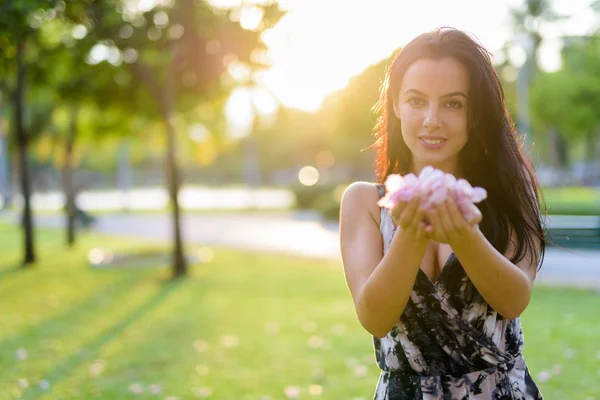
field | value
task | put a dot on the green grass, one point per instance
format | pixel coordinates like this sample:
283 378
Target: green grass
572 200
241 325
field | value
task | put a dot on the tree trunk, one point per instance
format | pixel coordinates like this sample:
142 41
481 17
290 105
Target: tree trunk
22 143
590 147
173 179
165 96
252 169
5 189
124 178
563 151
554 138
68 179
523 120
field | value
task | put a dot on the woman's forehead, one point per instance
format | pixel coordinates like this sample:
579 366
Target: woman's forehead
436 76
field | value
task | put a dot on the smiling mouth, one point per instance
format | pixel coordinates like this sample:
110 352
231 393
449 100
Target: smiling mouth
432 141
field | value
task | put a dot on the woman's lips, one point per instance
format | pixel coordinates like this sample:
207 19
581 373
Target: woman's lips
432 142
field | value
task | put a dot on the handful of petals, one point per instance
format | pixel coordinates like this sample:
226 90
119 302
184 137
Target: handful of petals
434 187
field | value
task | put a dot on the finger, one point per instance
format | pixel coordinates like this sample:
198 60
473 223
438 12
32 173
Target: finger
417 219
447 224
409 212
398 208
435 229
476 216
455 215
421 230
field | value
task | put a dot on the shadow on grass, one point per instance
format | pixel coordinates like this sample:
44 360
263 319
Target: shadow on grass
6 272
87 306
16 280
91 349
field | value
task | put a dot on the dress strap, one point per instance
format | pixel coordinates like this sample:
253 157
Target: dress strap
381 190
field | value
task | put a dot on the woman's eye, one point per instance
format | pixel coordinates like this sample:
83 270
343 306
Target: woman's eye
454 104
415 101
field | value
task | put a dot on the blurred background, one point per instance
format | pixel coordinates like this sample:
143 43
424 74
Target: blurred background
204 145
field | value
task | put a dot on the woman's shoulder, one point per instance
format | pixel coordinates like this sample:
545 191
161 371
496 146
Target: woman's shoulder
362 189
361 195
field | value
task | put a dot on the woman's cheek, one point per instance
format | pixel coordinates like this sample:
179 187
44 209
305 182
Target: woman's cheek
411 124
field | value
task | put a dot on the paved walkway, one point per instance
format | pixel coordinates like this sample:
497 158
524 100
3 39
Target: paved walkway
298 233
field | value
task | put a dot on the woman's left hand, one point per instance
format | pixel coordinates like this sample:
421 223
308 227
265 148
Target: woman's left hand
448 225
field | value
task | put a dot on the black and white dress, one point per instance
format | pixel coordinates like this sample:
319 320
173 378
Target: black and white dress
449 343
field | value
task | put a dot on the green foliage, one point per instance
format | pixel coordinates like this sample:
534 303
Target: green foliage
131 88
181 50
18 19
323 198
342 127
569 99
310 197
349 114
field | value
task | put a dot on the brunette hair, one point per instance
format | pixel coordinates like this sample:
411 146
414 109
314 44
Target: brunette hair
493 156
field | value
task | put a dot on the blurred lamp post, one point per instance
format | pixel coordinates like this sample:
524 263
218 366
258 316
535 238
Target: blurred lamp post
524 43
4 167
249 108
124 173
241 120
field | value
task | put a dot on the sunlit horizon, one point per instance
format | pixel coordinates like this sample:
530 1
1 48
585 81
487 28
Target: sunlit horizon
320 44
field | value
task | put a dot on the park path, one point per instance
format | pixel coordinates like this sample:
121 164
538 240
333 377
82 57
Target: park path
299 233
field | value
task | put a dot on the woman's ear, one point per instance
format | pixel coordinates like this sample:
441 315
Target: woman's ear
396 109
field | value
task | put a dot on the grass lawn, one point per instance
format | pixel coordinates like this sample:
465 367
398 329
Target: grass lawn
242 326
572 200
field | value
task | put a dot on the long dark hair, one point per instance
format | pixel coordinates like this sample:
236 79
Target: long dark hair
493 156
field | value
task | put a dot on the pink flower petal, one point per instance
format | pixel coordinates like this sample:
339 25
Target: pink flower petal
425 172
479 194
411 180
433 186
404 194
450 180
465 187
394 182
433 180
439 195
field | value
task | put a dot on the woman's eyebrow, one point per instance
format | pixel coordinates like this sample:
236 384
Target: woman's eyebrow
445 95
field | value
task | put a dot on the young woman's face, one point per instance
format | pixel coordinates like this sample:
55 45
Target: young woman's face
432 107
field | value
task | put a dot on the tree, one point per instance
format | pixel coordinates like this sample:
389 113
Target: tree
104 91
18 31
37 36
351 116
162 48
565 103
528 21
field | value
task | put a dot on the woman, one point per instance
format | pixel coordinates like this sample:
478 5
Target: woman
441 295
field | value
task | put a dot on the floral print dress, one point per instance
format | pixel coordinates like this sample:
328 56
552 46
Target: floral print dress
449 343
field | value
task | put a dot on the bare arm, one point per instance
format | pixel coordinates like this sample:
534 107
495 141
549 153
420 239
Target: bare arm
380 285
505 286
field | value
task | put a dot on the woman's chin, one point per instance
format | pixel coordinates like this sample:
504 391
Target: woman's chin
439 161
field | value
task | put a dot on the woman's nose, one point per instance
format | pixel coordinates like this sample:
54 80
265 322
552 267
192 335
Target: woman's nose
431 120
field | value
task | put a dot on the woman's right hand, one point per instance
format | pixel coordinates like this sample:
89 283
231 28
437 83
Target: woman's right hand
409 216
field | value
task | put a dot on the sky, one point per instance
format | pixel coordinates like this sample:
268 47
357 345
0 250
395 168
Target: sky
320 44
